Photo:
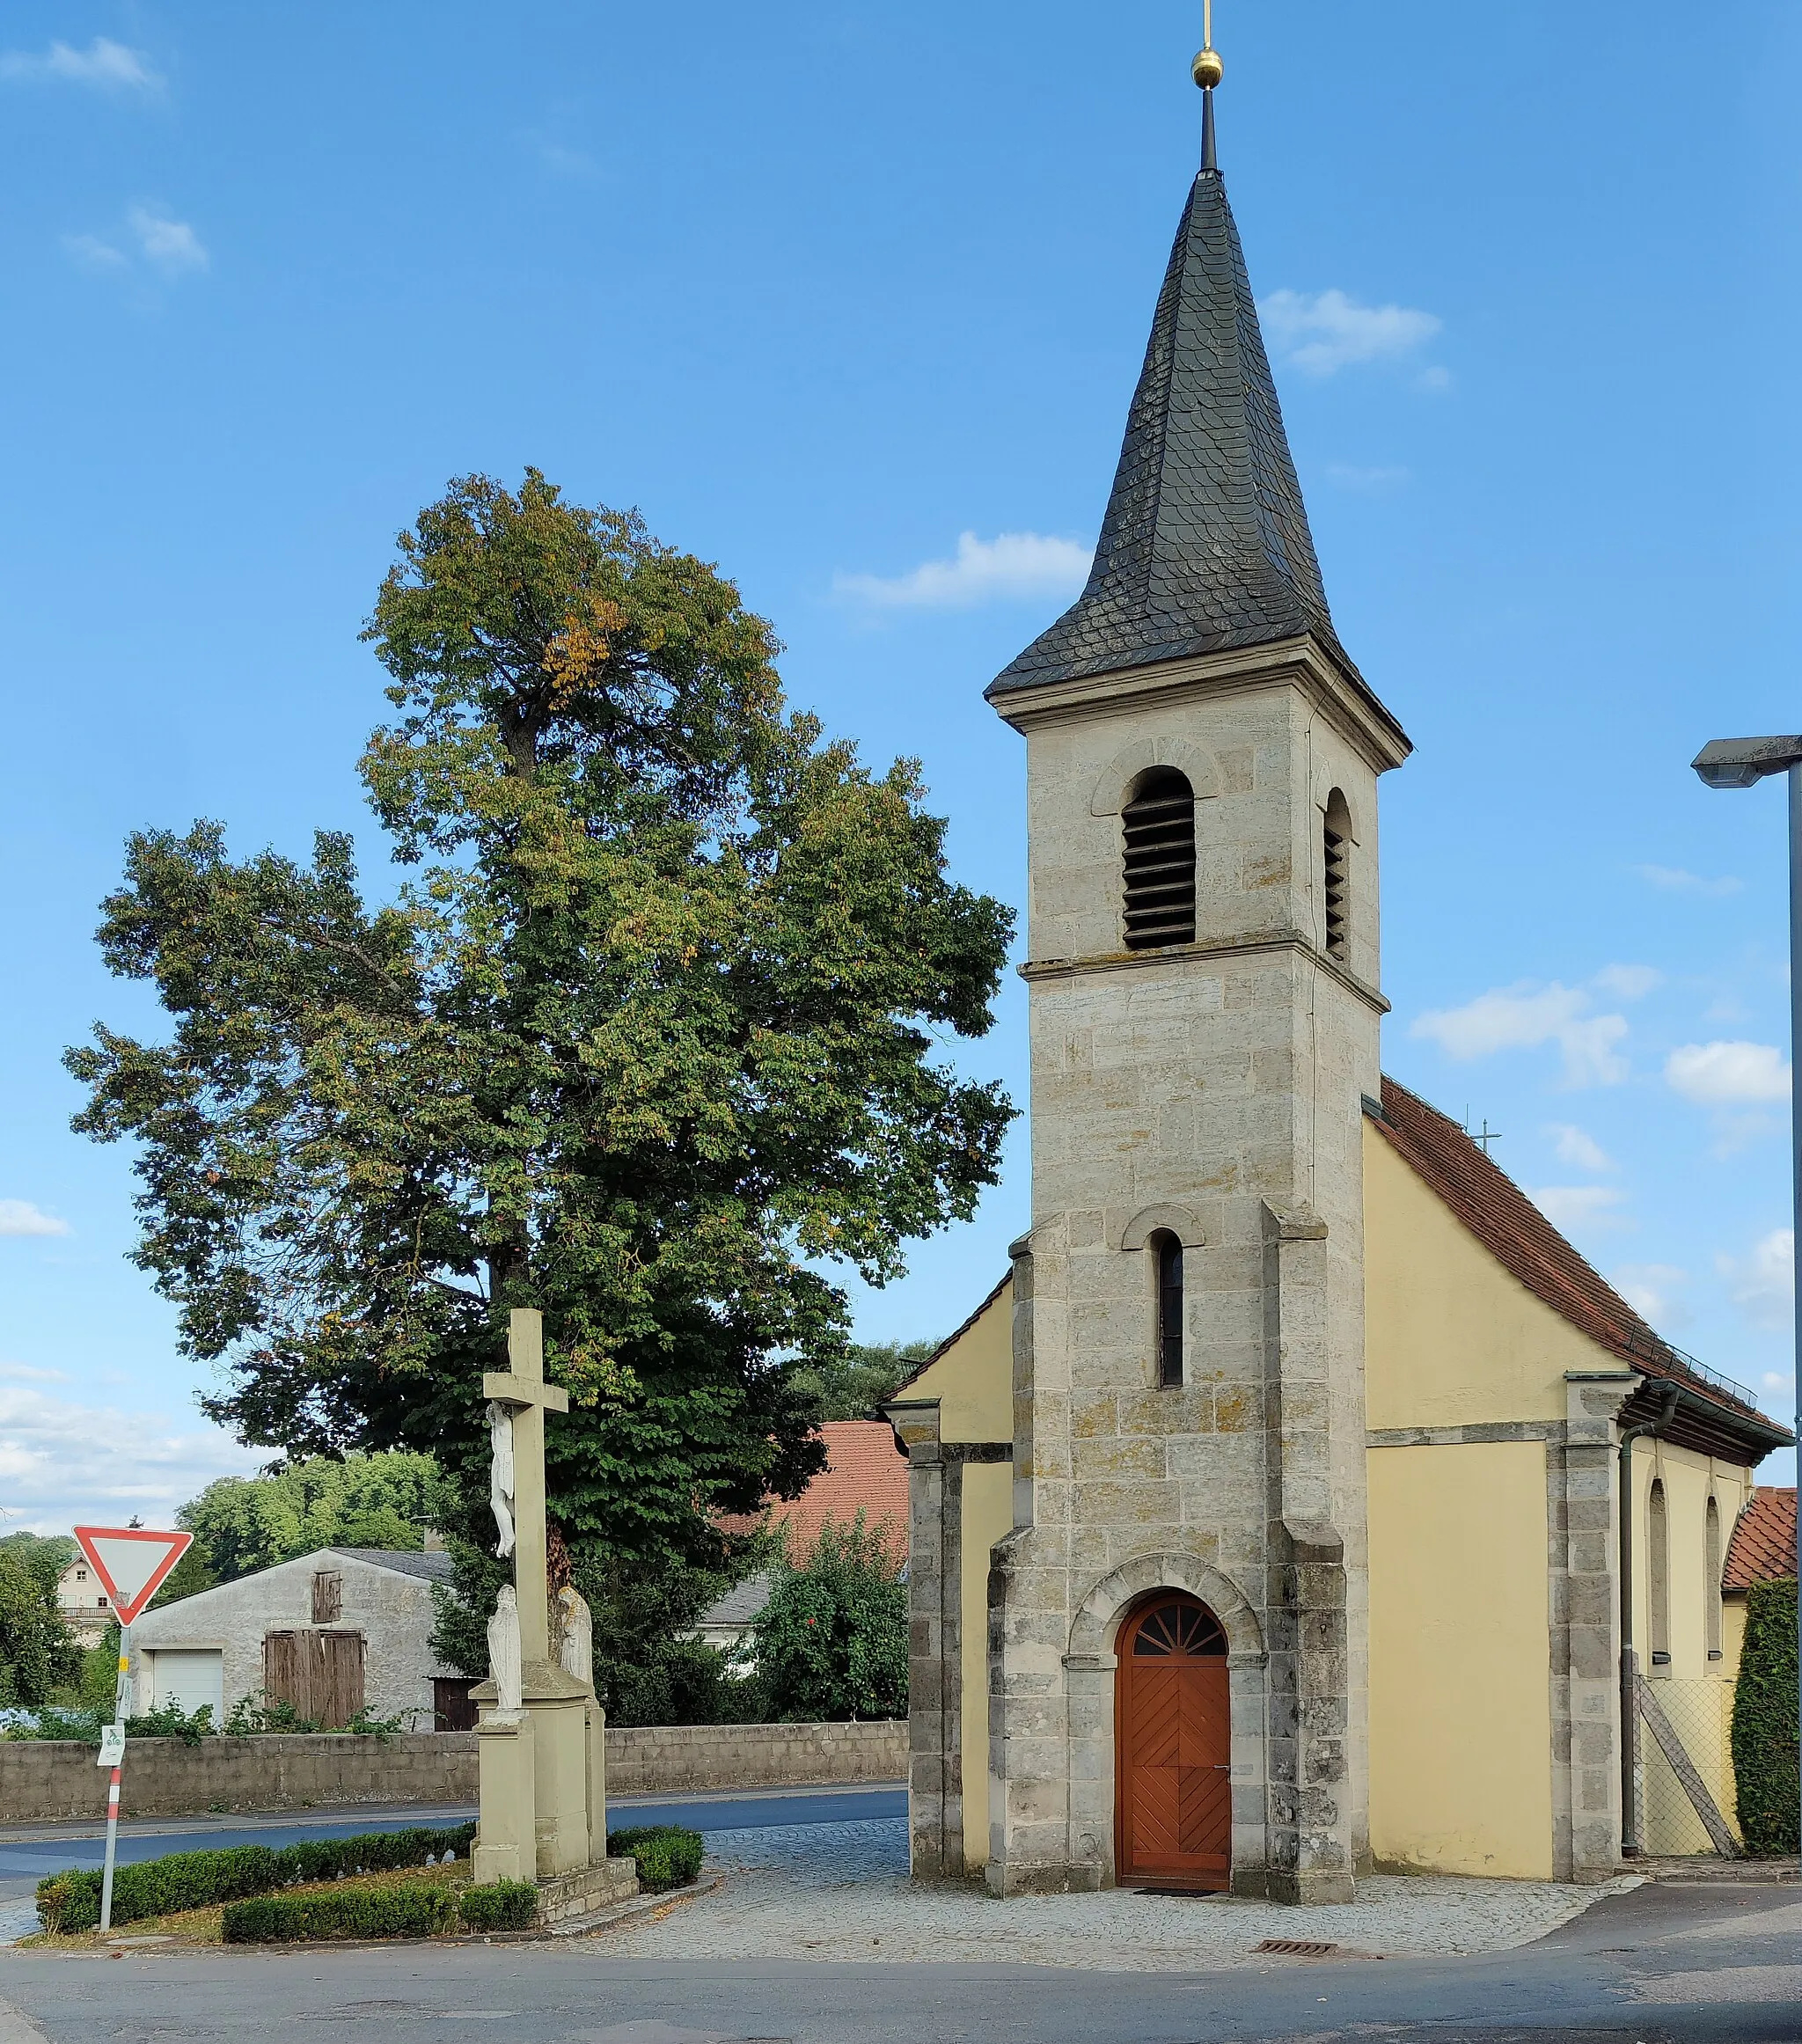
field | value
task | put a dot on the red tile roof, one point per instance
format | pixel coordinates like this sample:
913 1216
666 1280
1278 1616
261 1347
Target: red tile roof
864 1471
1505 1221
1763 1546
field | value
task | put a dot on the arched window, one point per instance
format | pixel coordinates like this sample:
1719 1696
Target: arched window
1168 1253
1658 1571
1160 824
1711 1584
1336 835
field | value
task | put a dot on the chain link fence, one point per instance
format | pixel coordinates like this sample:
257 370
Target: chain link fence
1701 1714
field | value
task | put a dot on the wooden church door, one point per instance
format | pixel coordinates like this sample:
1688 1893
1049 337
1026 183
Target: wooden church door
1172 1749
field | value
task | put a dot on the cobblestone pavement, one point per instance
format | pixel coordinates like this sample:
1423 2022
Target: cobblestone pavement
840 1892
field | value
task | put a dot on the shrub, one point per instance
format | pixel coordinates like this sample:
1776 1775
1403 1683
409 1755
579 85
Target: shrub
195 1880
417 1909
505 1905
832 1640
1765 1770
668 1855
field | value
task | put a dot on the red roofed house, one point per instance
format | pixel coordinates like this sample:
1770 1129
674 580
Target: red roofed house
863 1473
1762 1550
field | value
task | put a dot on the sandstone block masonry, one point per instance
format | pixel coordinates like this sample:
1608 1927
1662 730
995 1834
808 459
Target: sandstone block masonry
1212 1091
56 1781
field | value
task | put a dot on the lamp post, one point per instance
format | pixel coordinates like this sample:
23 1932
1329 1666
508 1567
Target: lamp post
1741 763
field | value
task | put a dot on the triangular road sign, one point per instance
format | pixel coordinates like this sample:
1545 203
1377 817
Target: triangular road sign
132 1562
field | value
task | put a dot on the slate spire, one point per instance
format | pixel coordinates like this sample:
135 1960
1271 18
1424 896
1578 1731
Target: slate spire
1206 544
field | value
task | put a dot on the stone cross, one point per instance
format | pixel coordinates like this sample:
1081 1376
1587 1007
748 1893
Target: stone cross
523 1391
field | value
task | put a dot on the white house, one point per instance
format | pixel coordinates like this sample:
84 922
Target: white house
85 1608
333 1633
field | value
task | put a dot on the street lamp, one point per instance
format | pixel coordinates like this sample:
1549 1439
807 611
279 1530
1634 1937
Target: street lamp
1739 763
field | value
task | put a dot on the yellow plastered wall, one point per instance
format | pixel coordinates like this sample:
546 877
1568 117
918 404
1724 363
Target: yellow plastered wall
988 1513
1451 1337
973 1383
1459 1659
1697 1694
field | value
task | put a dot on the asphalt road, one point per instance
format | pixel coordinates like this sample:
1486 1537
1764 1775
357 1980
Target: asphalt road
1666 1964
28 1852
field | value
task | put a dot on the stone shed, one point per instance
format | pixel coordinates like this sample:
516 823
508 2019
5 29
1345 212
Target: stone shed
334 1633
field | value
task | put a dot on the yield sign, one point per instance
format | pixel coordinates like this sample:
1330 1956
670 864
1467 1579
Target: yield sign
131 1562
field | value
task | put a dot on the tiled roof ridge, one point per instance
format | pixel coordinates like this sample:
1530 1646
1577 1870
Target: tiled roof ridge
1494 1208
1762 1549
1206 544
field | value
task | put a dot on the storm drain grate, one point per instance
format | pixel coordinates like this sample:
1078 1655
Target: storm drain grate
1298 1948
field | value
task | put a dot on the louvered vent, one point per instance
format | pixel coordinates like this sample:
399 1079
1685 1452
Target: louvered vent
1338 892
1160 823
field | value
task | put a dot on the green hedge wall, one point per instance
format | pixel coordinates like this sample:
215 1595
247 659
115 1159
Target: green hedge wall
668 1855
195 1880
1764 1722
503 1905
419 1909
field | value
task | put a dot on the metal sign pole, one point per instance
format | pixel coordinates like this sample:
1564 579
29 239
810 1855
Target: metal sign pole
121 1698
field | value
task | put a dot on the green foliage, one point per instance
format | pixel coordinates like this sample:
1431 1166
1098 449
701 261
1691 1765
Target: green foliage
192 1574
649 1040
97 1682
855 1385
831 1643
502 1905
196 1880
668 1855
170 1721
245 1523
258 1714
1765 1769
45 1556
416 1909
39 1654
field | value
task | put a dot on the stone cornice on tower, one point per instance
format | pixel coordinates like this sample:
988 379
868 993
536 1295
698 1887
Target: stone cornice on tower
1339 692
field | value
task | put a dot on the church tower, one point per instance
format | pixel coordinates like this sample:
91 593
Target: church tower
1202 760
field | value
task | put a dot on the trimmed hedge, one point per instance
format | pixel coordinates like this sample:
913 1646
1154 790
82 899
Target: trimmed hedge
503 1905
668 1855
419 1909
196 1880
1765 1771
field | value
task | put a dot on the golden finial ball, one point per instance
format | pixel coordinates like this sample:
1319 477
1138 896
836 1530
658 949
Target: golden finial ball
1208 70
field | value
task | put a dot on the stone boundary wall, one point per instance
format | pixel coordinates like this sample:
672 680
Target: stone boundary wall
56 1781
650 1758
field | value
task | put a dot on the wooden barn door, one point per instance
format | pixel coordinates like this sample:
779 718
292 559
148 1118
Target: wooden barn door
1172 1749
321 1673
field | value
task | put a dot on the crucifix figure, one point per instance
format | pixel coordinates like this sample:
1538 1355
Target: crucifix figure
522 1395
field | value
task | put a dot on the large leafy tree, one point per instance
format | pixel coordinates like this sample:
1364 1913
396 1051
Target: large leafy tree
647 1039
243 1523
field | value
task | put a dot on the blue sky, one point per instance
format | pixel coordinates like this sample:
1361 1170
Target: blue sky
850 300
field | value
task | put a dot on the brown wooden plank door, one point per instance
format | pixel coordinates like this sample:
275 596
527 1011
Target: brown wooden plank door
1173 1748
338 1683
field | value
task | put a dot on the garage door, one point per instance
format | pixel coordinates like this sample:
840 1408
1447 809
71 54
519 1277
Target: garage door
189 1677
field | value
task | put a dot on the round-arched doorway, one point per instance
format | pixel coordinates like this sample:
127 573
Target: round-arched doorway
1173 1802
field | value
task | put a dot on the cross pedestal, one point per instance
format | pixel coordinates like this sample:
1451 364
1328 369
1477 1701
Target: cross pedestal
542 1814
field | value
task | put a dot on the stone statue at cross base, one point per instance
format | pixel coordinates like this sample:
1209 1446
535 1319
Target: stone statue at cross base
505 1667
576 1635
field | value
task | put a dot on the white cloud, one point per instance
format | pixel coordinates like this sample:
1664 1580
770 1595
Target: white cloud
62 1462
26 1373
1576 1147
88 252
170 246
1327 332
1728 1074
1763 1283
1525 1016
1673 879
1569 1206
21 1217
1648 1288
1777 1380
103 63
1366 478
1015 564
1628 982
